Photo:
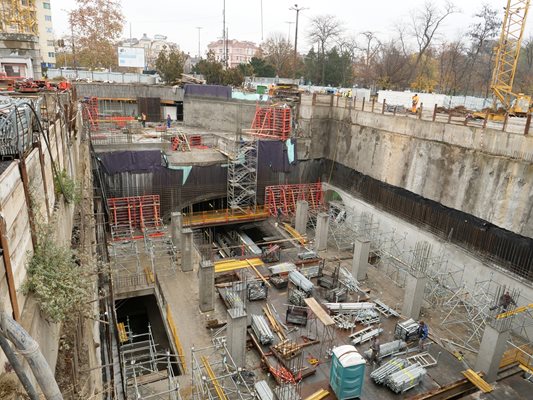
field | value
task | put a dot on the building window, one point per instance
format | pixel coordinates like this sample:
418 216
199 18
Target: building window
46 5
50 43
51 54
48 18
49 30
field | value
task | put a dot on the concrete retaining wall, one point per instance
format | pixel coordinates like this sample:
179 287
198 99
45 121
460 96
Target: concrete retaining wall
128 91
486 173
218 115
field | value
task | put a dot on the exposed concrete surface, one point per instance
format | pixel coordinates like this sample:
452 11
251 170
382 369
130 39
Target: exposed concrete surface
128 91
486 173
414 296
321 234
361 250
491 350
218 115
236 336
302 209
206 282
186 250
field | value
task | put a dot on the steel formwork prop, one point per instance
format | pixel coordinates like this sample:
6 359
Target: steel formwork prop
137 212
283 198
272 122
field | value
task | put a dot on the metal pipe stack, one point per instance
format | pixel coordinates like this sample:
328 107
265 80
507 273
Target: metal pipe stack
379 375
349 307
301 281
386 349
262 330
406 378
263 391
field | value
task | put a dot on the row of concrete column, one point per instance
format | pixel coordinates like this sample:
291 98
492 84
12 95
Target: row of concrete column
182 238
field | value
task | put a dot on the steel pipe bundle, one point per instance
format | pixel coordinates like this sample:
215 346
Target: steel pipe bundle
297 297
349 307
301 281
263 391
379 375
406 378
282 268
386 349
262 330
348 280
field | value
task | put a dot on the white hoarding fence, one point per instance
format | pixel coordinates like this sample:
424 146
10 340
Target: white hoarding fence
131 57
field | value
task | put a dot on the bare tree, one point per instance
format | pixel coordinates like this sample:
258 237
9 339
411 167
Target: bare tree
425 24
324 30
278 51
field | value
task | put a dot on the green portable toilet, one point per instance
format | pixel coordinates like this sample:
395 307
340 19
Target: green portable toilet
347 372
261 89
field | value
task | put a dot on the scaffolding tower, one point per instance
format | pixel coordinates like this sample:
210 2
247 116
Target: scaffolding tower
242 176
215 375
149 373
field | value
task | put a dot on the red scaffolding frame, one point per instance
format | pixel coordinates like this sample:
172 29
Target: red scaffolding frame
90 112
136 212
284 197
272 122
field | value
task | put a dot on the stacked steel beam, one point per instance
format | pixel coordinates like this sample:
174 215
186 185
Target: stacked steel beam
379 375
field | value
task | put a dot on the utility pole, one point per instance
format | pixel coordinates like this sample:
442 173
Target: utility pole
223 31
289 35
297 9
261 20
199 52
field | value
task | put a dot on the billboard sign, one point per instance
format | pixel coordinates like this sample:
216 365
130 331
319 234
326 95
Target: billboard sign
131 57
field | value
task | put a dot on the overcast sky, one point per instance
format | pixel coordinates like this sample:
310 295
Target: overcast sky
178 19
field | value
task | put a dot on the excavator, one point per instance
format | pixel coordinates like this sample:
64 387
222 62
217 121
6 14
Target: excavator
506 62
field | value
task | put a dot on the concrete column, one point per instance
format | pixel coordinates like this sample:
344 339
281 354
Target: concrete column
236 336
206 290
176 221
321 233
414 295
186 250
491 350
361 250
302 210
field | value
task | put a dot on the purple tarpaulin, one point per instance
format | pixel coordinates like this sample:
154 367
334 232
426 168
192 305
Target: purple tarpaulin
208 91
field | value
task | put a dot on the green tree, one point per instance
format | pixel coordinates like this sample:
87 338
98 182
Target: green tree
97 25
233 77
246 69
169 64
262 68
211 69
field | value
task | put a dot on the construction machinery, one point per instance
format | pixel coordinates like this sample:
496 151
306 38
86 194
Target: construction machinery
506 62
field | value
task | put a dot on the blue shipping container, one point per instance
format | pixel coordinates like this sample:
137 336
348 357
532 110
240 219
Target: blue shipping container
347 372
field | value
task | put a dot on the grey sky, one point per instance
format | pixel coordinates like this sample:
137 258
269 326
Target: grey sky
178 19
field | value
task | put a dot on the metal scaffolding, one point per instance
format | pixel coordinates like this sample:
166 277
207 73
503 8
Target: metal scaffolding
242 176
215 375
149 372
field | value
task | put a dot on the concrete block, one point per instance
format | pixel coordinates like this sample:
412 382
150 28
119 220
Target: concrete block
206 282
302 215
176 223
236 336
360 264
321 233
414 295
186 250
493 345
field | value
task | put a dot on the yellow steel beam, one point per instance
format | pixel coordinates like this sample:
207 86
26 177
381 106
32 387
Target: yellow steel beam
176 338
122 335
517 310
259 274
478 381
219 389
318 395
231 265
294 233
149 275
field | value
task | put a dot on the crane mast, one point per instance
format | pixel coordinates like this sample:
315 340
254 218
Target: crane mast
507 56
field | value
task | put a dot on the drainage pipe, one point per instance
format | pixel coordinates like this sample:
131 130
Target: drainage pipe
29 348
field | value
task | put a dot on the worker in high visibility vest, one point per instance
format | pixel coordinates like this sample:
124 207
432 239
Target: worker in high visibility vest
414 103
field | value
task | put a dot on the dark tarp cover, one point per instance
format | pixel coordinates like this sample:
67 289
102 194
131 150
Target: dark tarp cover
208 91
124 161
